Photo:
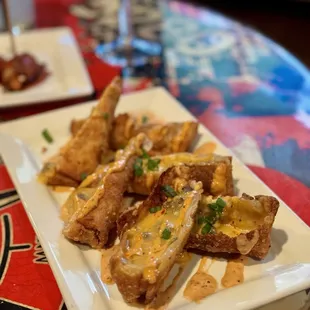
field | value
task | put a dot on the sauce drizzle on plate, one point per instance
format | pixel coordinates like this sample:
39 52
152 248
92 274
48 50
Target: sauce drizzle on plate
234 273
201 284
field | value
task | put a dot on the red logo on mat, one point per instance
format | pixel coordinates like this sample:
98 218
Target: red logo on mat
26 280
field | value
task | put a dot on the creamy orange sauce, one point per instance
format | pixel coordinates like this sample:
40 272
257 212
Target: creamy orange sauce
201 284
121 160
218 184
144 245
234 273
161 302
105 264
62 189
206 148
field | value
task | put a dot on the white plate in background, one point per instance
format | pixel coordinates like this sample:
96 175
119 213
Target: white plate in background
59 51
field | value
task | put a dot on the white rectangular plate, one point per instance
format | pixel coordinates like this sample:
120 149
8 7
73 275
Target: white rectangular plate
286 269
59 51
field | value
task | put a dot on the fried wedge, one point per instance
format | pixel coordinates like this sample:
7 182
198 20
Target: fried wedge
149 246
83 152
212 183
90 213
217 170
234 225
168 138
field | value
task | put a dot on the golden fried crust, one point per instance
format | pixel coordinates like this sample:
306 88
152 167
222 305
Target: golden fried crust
170 138
90 213
221 243
76 125
203 173
83 152
122 131
94 227
129 277
215 172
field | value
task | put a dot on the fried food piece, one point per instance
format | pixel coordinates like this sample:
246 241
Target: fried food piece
218 170
150 245
171 137
21 72
244 226
212 183
167 138
91 213
82 153
76 125
2 66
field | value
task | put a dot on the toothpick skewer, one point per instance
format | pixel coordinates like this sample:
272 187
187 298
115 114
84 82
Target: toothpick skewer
8 21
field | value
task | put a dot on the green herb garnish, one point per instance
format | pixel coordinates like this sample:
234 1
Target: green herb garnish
145 154
201 220
215 213
137 166
206 228
155 209
47 136
221 203
83 176
168 190
152 164
144 119
166 234
106 116
215 207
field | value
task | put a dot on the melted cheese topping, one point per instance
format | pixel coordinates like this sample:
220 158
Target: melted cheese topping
239 216
143 244
176 159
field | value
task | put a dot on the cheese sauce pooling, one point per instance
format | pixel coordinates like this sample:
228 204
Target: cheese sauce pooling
152 239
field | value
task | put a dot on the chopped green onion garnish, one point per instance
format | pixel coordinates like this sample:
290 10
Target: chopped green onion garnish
106 116
138 169
83 176
155 209
211 218
200 220
215 213
144 119
47 136
145 154
166 234
152 164
214 207
221 203
206 228
169 191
